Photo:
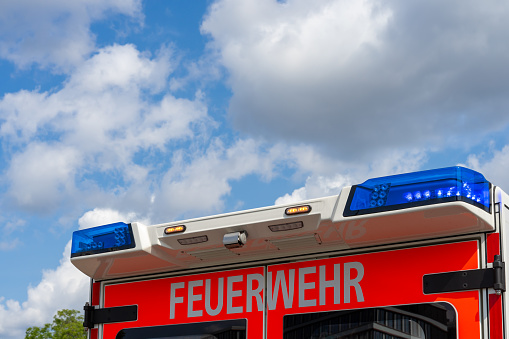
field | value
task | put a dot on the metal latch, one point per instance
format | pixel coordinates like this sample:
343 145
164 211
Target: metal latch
94 316
467 280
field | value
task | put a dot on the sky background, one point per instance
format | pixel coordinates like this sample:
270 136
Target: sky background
154 111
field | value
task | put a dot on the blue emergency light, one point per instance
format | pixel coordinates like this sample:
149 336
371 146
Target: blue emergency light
419 189
107 238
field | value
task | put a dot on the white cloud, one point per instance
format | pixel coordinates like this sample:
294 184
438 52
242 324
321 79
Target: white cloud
8 236
113 108
493 165
329 175
42 176
198 184
9 226
124 68
359 79
63 287
104 216
9 244
55 33
315 187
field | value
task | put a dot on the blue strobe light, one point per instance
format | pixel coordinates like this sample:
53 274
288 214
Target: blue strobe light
107 238
418 189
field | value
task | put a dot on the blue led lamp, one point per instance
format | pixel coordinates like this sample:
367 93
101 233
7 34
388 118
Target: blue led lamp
101 239
419 189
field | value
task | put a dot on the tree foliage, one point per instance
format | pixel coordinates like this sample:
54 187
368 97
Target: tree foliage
67 324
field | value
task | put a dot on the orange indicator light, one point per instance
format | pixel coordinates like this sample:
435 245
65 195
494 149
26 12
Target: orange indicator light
298 210
174 229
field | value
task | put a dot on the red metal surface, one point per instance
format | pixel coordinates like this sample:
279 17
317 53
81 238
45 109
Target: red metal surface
496 325
389 278
349 282
242 297
492 245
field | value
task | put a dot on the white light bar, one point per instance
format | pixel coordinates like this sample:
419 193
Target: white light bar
320 226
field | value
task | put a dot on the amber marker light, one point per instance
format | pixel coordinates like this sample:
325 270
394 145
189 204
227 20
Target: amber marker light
174 229
298 210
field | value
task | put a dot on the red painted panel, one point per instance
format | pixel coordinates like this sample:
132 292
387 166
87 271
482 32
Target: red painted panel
493 245
192 298
496 325
96 293
349 282
371 280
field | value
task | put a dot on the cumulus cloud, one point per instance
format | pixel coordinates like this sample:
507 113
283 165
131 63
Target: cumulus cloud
40 175
54 33
9 244
103 216
315 187
63 287
493 165
8 236
114 107
198 184
360 78
329 175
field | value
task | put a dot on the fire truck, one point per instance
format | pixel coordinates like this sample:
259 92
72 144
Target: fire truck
415 255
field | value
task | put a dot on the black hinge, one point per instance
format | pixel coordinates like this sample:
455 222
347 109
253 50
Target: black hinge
94 316
467 280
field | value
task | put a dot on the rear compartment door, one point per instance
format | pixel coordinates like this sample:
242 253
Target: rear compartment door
227 304
375 295
372 295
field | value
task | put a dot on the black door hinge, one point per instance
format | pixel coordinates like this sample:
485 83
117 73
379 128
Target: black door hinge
467 280
94 316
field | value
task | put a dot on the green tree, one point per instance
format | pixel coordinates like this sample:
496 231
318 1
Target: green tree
38 332
67 324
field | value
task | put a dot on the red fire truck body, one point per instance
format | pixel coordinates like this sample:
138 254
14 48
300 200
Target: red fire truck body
418 255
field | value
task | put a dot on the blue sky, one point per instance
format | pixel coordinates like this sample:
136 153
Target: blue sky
156 111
